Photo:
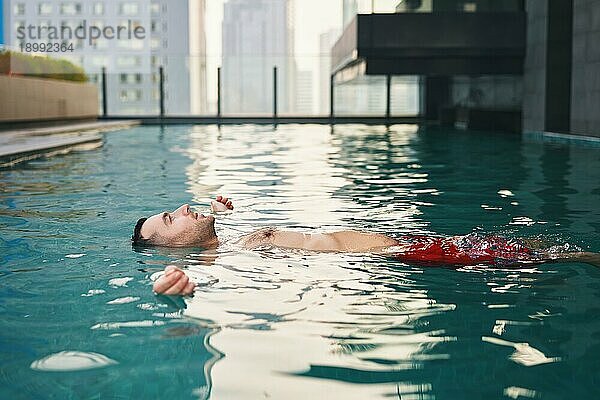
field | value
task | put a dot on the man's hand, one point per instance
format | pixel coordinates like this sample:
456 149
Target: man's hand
221 204
173 282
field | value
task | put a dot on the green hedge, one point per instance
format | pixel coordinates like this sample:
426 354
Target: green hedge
14 63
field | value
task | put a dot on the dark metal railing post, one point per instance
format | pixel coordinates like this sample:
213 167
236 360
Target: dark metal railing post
161 82
388 98
274 92
104 91
331 96
219 92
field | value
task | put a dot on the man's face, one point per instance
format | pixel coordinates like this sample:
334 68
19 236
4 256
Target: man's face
180 228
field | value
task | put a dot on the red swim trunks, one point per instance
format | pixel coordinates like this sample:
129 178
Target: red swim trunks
464 250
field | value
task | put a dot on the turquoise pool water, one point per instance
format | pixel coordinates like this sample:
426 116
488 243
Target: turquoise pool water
79 319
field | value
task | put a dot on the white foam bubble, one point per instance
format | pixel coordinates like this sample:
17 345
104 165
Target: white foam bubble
505 193
123 300
488 207
522 221
93 292
147 306
514 392
119 282
71 361
128 324
75 255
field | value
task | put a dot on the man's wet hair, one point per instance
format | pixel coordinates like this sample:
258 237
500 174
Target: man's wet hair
137 239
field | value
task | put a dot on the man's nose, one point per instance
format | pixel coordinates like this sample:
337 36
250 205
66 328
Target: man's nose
183 210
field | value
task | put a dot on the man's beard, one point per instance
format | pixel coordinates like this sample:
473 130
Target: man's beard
204 232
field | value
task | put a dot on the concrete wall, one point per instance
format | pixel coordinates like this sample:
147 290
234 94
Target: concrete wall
33 99
585 84
501 92
534 79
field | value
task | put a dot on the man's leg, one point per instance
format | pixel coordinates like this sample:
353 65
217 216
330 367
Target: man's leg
578 256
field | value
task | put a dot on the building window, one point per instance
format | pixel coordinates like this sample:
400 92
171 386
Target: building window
130 44
19 24
470 7
155 61
129 8
154 26
129 95
98 8
128 61
99 61
68 27
19 9
70 8
44 8
131 78
136 24
156 9
99 44
137 44
154 43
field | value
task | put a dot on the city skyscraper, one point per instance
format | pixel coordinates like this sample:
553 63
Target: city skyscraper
257 36
174 38
349 11
1 22
304 93
326 42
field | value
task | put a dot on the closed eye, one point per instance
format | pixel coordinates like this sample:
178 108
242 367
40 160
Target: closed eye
167 219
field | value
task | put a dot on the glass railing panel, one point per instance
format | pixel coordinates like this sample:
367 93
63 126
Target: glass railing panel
404 96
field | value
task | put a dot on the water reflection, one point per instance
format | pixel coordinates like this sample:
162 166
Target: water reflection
306 312
337 319
295 324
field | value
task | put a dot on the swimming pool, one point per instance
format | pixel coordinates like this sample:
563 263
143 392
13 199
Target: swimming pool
273 324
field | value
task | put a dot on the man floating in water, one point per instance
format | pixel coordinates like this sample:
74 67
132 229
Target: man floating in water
185 228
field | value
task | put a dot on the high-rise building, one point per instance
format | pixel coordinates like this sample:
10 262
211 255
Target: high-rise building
367 94
257 36
349 11
173 37
326 42
304 93
1 22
